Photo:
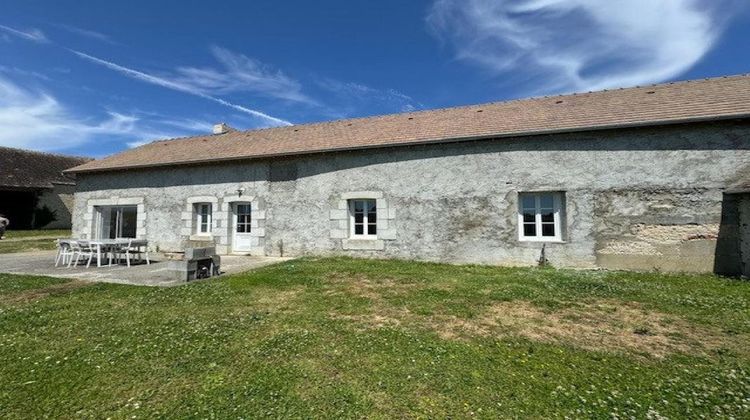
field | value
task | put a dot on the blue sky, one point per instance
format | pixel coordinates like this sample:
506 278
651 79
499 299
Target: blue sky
93 78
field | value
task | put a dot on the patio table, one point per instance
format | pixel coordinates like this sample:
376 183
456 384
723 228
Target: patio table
103 244
106 243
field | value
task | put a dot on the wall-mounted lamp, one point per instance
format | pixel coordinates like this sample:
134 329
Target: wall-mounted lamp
240 191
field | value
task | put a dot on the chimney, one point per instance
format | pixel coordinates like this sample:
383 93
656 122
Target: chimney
222 128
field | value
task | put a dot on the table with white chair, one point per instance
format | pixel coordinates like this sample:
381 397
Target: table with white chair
131 249
73 251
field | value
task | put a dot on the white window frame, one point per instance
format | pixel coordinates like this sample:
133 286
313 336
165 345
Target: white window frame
198 209
557 203
248 224
116 212
365 219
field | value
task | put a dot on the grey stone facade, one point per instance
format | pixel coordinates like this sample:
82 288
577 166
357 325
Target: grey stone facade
648 198
59 199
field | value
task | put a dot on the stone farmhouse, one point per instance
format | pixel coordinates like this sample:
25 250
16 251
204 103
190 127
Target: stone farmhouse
641 178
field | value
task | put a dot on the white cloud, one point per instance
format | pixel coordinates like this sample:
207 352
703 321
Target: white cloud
189 124
22 72
88 33
178 86
352 97
240 73
33 34
582 44
38 121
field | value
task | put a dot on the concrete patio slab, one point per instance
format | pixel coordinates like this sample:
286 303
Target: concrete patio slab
42 263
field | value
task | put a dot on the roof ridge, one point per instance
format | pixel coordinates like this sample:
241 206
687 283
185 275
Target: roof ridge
36 152
686 101
297 127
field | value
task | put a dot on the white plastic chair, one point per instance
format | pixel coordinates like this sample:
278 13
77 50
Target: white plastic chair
81 249
64 253
135 251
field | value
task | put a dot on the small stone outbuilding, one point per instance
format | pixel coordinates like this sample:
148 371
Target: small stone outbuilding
34 191
625 179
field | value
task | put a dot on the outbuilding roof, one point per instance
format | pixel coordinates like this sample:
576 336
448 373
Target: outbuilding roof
25 169
670 103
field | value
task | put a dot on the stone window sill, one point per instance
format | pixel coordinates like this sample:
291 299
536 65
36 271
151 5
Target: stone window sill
363 244
202 238
540 241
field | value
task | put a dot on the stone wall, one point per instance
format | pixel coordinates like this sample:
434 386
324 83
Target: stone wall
60 200
743 207
636 199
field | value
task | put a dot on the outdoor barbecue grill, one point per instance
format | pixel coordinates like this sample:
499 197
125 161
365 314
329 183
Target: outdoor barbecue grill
196 263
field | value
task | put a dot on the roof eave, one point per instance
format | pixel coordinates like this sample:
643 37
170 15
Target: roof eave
641 124
26 187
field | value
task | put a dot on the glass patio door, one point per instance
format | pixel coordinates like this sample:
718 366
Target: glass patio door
117 222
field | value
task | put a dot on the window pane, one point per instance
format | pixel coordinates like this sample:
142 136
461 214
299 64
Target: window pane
111 226
372 217
359 229
371 205
129 216
528 217
359 218
546 201
548 216
548 229
359 205
372 229
204 213
529 230
243 209
528 202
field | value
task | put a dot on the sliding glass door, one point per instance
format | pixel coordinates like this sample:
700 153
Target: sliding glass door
114 222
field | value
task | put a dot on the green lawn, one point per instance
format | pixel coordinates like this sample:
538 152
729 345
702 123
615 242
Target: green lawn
24 234
31 240
333 338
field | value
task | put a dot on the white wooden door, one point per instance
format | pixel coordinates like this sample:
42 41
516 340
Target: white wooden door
242 239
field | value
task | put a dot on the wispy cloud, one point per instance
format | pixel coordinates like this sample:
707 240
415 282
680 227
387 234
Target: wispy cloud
352 98
239 73
37 120
22 72
186 124
88 33
582 44
177 86
33 34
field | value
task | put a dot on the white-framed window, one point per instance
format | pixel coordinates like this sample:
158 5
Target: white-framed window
540 216
243 218
363 219
203 216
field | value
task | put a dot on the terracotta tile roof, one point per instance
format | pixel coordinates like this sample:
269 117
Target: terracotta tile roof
26 169
708 99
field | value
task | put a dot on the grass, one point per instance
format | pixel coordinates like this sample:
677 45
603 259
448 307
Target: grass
31 240
360 338
25 234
